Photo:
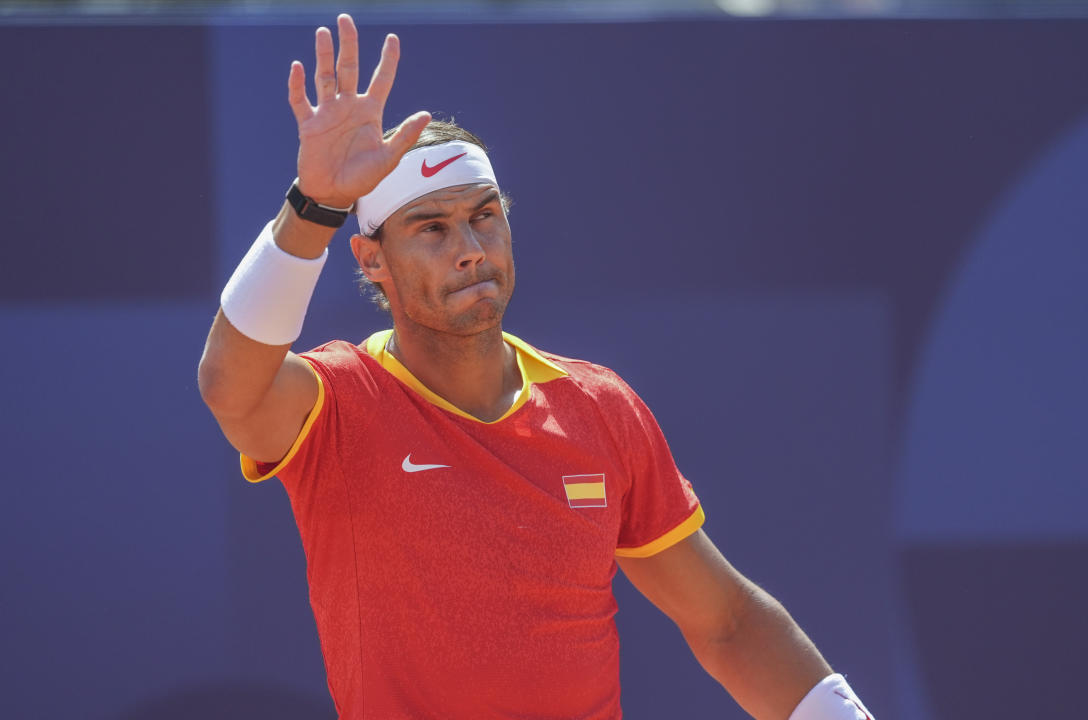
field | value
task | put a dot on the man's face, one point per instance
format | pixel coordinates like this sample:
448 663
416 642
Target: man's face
447 260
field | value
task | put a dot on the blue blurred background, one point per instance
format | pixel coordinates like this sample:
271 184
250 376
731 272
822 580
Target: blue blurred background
843 259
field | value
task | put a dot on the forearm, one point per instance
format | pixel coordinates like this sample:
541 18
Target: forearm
763 659
299 237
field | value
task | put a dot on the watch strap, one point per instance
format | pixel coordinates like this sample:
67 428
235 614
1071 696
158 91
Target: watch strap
308 209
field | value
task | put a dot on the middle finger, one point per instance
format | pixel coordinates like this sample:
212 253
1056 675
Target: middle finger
347 62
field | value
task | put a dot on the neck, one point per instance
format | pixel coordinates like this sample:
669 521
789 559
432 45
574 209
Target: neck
476 373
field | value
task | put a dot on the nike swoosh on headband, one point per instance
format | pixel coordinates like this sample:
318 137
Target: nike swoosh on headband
430 171
855 703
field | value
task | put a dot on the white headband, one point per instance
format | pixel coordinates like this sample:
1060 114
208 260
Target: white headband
419 172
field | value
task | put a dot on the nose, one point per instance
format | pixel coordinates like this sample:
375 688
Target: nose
470 251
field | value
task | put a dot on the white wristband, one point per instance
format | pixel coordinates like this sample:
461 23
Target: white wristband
267 296
831 699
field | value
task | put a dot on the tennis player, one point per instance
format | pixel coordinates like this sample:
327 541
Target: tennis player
464 498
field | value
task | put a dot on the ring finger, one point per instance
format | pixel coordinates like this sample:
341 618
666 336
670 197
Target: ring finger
324 75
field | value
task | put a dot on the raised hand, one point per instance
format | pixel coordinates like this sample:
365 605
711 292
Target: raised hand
341 154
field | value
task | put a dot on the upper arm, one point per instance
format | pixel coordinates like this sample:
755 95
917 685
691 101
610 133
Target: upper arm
269 431
691 583
260 394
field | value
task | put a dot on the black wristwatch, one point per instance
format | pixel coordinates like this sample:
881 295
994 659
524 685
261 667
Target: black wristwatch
307 209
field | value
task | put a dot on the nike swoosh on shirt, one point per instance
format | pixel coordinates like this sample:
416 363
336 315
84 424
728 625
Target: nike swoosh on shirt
409 466
429 171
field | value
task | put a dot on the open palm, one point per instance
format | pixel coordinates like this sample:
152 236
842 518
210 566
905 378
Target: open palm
342 155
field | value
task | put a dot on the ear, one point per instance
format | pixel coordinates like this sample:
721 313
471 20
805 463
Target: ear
368 253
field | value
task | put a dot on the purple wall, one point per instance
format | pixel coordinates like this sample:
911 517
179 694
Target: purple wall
844 262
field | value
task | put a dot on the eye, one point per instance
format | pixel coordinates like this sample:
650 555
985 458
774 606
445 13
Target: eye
483 215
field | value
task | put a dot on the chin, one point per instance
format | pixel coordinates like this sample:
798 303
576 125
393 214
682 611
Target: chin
481 317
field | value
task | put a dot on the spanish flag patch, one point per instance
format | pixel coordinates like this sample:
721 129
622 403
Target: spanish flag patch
585 491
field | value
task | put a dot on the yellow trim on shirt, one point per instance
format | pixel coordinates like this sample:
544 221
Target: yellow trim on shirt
249 465
534 368
678 533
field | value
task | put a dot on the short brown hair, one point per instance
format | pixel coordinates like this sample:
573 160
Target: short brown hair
437 132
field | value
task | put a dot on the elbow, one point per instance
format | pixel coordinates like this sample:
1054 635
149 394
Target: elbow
729 625
208 381
216 391
711 640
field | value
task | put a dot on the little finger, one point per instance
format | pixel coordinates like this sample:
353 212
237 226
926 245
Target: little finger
382 81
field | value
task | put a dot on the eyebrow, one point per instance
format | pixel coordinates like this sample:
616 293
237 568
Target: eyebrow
414 216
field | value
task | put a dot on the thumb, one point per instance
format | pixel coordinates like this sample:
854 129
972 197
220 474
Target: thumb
408 132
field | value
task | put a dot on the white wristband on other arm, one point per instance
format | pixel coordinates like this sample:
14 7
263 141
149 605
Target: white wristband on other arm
831 699
267 296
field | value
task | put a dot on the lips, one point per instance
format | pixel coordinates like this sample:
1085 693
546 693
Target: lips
484 287
477 281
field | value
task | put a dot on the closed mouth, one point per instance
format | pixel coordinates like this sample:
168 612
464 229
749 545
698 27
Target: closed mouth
475 283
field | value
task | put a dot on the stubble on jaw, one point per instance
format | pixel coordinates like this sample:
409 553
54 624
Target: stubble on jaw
473 332
432 315
485 313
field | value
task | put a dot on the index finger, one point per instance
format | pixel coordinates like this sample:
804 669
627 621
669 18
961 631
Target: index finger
347 61
382 81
